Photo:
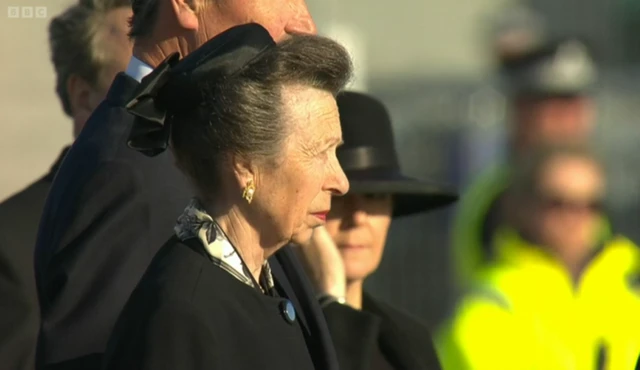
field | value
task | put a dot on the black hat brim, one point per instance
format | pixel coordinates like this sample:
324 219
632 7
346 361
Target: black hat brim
410 196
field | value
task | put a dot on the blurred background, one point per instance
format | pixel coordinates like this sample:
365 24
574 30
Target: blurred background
431 62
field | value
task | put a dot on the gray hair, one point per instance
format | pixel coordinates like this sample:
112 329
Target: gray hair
76 48
244 114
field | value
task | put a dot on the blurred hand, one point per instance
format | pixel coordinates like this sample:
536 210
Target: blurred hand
323 263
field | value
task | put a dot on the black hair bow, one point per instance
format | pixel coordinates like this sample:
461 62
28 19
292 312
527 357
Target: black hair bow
174 85
150 133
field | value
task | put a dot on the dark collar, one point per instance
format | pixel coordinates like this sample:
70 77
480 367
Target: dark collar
122 89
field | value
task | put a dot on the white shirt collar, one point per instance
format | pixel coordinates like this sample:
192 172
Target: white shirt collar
137 69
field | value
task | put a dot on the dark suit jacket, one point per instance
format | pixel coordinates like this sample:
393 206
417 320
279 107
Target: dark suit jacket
189 314
109 211
19 311
404 341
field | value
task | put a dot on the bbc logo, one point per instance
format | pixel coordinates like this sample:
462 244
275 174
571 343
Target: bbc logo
27 12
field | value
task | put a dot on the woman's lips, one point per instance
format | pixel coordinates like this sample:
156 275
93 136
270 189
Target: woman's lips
321 215
352 246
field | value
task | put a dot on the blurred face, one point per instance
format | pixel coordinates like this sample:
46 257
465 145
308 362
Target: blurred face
567 209
279 17
294 196
358 225
113 38
558 119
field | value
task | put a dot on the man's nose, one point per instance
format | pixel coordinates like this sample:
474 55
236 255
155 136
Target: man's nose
301 22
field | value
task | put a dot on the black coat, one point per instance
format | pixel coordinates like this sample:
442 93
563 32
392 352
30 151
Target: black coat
19 310
190 314
379 334
109 211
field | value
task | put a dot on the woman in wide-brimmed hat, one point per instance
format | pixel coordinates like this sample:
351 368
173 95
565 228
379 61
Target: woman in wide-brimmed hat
369 334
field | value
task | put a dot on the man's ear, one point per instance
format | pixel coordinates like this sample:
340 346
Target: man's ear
79 91
185 15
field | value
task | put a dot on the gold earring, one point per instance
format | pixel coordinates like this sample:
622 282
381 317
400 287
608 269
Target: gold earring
249 190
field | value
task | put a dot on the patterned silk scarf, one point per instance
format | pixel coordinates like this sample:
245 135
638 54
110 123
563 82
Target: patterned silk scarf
195 222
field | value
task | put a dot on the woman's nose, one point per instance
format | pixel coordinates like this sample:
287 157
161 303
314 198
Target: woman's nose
338 183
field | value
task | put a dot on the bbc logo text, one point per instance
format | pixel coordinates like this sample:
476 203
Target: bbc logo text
27 12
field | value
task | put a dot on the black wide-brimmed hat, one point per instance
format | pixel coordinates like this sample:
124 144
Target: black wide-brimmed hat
369 158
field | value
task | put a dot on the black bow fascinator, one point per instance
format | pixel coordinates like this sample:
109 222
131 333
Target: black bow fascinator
174 86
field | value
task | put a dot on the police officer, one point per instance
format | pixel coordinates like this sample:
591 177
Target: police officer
548 86
555 296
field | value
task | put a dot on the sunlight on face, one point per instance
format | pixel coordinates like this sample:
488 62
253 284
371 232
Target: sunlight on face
358 225
280 17
570 194
295 194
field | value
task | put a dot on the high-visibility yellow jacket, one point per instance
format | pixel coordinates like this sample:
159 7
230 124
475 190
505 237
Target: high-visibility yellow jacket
473 229
526 312
468 249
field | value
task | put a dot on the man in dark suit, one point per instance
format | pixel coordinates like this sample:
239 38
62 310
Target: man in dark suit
111 208
83 78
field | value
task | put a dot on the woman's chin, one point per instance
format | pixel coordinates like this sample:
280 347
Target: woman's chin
356 273
302 236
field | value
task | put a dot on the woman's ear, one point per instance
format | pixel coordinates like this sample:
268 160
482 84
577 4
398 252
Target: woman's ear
243 170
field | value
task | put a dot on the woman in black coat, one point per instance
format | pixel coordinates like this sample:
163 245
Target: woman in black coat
255 127
367 333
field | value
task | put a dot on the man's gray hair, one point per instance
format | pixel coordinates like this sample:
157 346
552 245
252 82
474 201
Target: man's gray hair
76 48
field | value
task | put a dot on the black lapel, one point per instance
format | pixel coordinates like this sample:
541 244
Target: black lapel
296 286
285 290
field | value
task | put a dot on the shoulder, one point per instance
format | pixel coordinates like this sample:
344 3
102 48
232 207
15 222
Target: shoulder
82 192
105 130
21 212
409 325
161 326
27 201
174 274
181 271
406 333
484 306
398 315
116 166
483 310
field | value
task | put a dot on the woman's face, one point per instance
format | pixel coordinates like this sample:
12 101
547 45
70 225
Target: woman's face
358 225
294 196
